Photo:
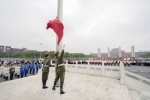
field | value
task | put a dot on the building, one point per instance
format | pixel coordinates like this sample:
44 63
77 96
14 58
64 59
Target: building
8 49
16 50
1 48
114 53
31 50
104 55
138 54
24 50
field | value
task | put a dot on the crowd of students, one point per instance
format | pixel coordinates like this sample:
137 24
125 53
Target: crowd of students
18 68
21 68
110 62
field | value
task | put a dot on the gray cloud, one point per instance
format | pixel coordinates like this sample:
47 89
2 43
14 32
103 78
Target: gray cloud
89 24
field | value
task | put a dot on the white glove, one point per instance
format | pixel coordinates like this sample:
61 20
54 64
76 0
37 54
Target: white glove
64 46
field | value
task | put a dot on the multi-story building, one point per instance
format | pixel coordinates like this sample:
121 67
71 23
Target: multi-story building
8 49
138 54
32 50
104 55
1 48
24 50
16 50
114 53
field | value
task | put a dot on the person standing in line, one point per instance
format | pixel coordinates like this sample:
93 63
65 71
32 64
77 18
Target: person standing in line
12 71
26 69
0 63
45 69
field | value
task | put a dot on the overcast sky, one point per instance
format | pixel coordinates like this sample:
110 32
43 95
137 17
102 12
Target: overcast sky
88 24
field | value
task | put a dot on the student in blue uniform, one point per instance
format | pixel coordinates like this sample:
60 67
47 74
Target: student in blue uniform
37 67
31 67
40 65
22 72
26 69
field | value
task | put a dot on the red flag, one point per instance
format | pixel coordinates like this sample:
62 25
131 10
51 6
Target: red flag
57 26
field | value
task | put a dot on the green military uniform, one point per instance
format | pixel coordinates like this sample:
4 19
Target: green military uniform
60 72
60 68
45 71
11 71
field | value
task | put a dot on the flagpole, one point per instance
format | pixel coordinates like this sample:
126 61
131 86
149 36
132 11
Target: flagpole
60 17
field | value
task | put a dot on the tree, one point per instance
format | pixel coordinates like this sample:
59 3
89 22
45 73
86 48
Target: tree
52 54
66 54
145 55
3 54
36 55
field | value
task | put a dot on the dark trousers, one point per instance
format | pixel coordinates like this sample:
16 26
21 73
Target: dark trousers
11 76
45 75
33 71
60 75
30 71
25 74
36 70
21 75
44 78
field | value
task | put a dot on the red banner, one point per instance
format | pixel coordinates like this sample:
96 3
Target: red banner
58 28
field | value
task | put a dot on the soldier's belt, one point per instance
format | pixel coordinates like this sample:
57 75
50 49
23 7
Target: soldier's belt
61 65
46 65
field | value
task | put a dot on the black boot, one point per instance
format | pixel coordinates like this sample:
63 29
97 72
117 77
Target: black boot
6 78
10 77
61 89
44 85
36 71
25 74
54 85
43 82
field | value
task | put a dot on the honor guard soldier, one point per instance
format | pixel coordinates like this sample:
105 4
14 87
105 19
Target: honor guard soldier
60 70
12 71
45 70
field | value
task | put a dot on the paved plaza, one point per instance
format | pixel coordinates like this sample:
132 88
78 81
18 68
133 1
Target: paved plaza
139 70
14 78
76 86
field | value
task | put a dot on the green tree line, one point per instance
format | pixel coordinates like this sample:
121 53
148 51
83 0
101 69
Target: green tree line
145 55
37 54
